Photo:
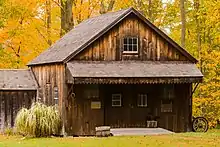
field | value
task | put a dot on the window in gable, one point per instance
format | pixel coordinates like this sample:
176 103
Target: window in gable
130 45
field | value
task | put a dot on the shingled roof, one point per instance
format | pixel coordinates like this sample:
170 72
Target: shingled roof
17 79
88 31
137 69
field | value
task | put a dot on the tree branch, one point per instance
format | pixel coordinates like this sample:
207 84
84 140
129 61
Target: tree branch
57 4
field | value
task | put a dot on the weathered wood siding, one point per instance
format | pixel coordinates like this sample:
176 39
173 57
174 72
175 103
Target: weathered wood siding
52 84
151 45
130 115
82 119
11 101
181 117
50 76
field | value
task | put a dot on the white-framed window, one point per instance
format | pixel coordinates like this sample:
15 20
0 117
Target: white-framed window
116 100
142 100
130 45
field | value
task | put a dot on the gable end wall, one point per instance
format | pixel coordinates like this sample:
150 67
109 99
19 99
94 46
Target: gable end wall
152 47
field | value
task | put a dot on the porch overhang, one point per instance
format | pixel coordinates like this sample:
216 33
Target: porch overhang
132 72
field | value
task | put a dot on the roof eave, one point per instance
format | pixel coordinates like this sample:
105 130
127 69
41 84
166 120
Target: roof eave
166 37
43 63
14 89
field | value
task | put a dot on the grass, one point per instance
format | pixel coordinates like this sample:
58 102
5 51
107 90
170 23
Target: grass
211 138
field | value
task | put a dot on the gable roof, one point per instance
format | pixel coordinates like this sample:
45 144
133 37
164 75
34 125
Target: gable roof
88 31
17 79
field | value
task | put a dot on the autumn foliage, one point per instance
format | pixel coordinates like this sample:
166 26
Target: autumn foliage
28 27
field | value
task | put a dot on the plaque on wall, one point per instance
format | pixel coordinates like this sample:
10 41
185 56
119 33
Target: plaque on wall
166 107
95 105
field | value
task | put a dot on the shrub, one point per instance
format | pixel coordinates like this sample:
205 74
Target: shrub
38 121
8 131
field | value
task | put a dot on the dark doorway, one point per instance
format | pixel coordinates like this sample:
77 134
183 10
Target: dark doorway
128 105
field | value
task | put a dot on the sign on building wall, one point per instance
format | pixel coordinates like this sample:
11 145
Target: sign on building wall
95 105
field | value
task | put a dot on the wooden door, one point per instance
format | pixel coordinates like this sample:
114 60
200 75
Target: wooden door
117 114
142 104
93 115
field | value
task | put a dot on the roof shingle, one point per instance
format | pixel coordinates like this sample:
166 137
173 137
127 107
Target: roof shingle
88 31
17 79
143 69
77 37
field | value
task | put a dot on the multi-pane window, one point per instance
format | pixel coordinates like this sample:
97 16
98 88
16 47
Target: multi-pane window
116 100
130 45
142 100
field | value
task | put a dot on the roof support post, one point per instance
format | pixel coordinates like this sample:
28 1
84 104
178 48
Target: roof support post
194 89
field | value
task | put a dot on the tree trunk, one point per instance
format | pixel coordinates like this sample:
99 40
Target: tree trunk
183 23
150 11
110 6
196 4
66 16
48 21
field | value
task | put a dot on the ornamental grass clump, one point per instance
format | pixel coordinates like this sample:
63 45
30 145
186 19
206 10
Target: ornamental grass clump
38 121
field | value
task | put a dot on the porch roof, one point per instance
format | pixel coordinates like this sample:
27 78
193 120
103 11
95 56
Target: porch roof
134 69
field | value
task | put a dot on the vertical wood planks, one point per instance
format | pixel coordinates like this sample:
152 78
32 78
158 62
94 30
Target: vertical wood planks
50 76
11 101
151 46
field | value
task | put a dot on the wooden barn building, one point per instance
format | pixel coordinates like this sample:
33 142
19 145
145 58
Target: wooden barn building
18 88
120 70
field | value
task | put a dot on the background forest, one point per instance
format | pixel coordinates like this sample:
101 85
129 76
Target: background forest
27 27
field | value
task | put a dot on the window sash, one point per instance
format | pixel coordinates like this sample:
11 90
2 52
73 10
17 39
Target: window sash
130 45
116 100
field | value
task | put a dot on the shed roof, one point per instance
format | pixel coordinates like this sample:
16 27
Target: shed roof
133 69
17 79
88 31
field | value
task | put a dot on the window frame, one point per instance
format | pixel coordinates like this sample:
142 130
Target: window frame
116 94
143 97
56 95
132 44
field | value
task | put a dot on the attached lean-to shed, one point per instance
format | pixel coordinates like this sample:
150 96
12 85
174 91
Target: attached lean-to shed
18 89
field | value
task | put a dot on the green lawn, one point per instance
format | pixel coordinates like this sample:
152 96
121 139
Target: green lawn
211 138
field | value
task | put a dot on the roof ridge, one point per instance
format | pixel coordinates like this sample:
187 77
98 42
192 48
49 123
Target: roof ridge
85 33
110 12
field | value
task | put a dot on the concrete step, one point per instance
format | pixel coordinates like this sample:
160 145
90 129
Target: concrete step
138 131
